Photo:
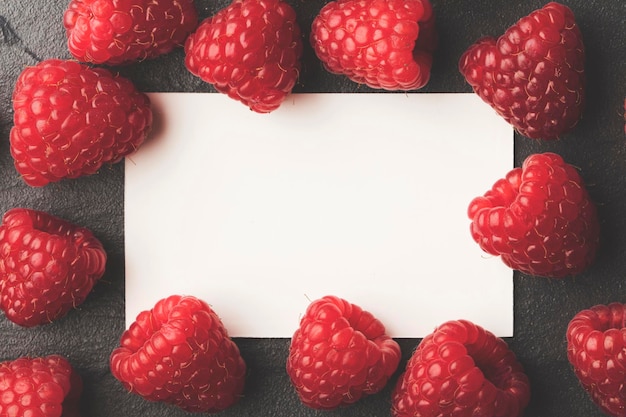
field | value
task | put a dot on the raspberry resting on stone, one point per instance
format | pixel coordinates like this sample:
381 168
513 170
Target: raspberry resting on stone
339 354
461 369
42 386
115 32
385 44
249 50
48 266
596 345
539 219
71 119
179 352
534 74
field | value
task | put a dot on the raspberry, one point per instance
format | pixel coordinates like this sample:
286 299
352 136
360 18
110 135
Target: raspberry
44 386
461 369
595 349
180 353
539 219
339 354
385 44
70 120
113 32
249 50
533 75
48 266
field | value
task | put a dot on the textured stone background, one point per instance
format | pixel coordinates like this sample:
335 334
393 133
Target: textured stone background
31 31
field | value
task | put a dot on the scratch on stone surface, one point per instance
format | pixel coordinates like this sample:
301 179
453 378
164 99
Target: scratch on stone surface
10 38
8 35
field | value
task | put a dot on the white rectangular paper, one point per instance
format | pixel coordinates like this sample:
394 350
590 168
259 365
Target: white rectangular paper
363 196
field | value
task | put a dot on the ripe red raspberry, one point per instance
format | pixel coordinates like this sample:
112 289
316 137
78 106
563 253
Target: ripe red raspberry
461 369
539 219
116 32
595 348
249 50
385 44
44 387
180 353
533 75
339 354
70 119
48 266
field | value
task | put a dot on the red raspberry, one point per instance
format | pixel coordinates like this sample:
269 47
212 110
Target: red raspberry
533 75
71 119
339 354
539 219
385 44
48 266
595 348
43 387
118 32
461 369
180 353
249 50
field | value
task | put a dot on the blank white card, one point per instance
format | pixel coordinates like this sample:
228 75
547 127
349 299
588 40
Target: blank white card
362 196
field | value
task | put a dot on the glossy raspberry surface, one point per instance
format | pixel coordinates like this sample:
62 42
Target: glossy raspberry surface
596 349
71 119
339 354
249 50
117 32
534 74
48 266
39 387
539 219
385 44
461 369
179 352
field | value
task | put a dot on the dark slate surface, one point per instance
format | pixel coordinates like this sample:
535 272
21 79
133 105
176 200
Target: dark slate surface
31 31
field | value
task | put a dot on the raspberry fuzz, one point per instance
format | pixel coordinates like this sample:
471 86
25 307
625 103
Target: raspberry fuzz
179 352
461 369
249 50
339 354
70 120
534 74
596 345
117 32
539 219
385 44
43 387
48 266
